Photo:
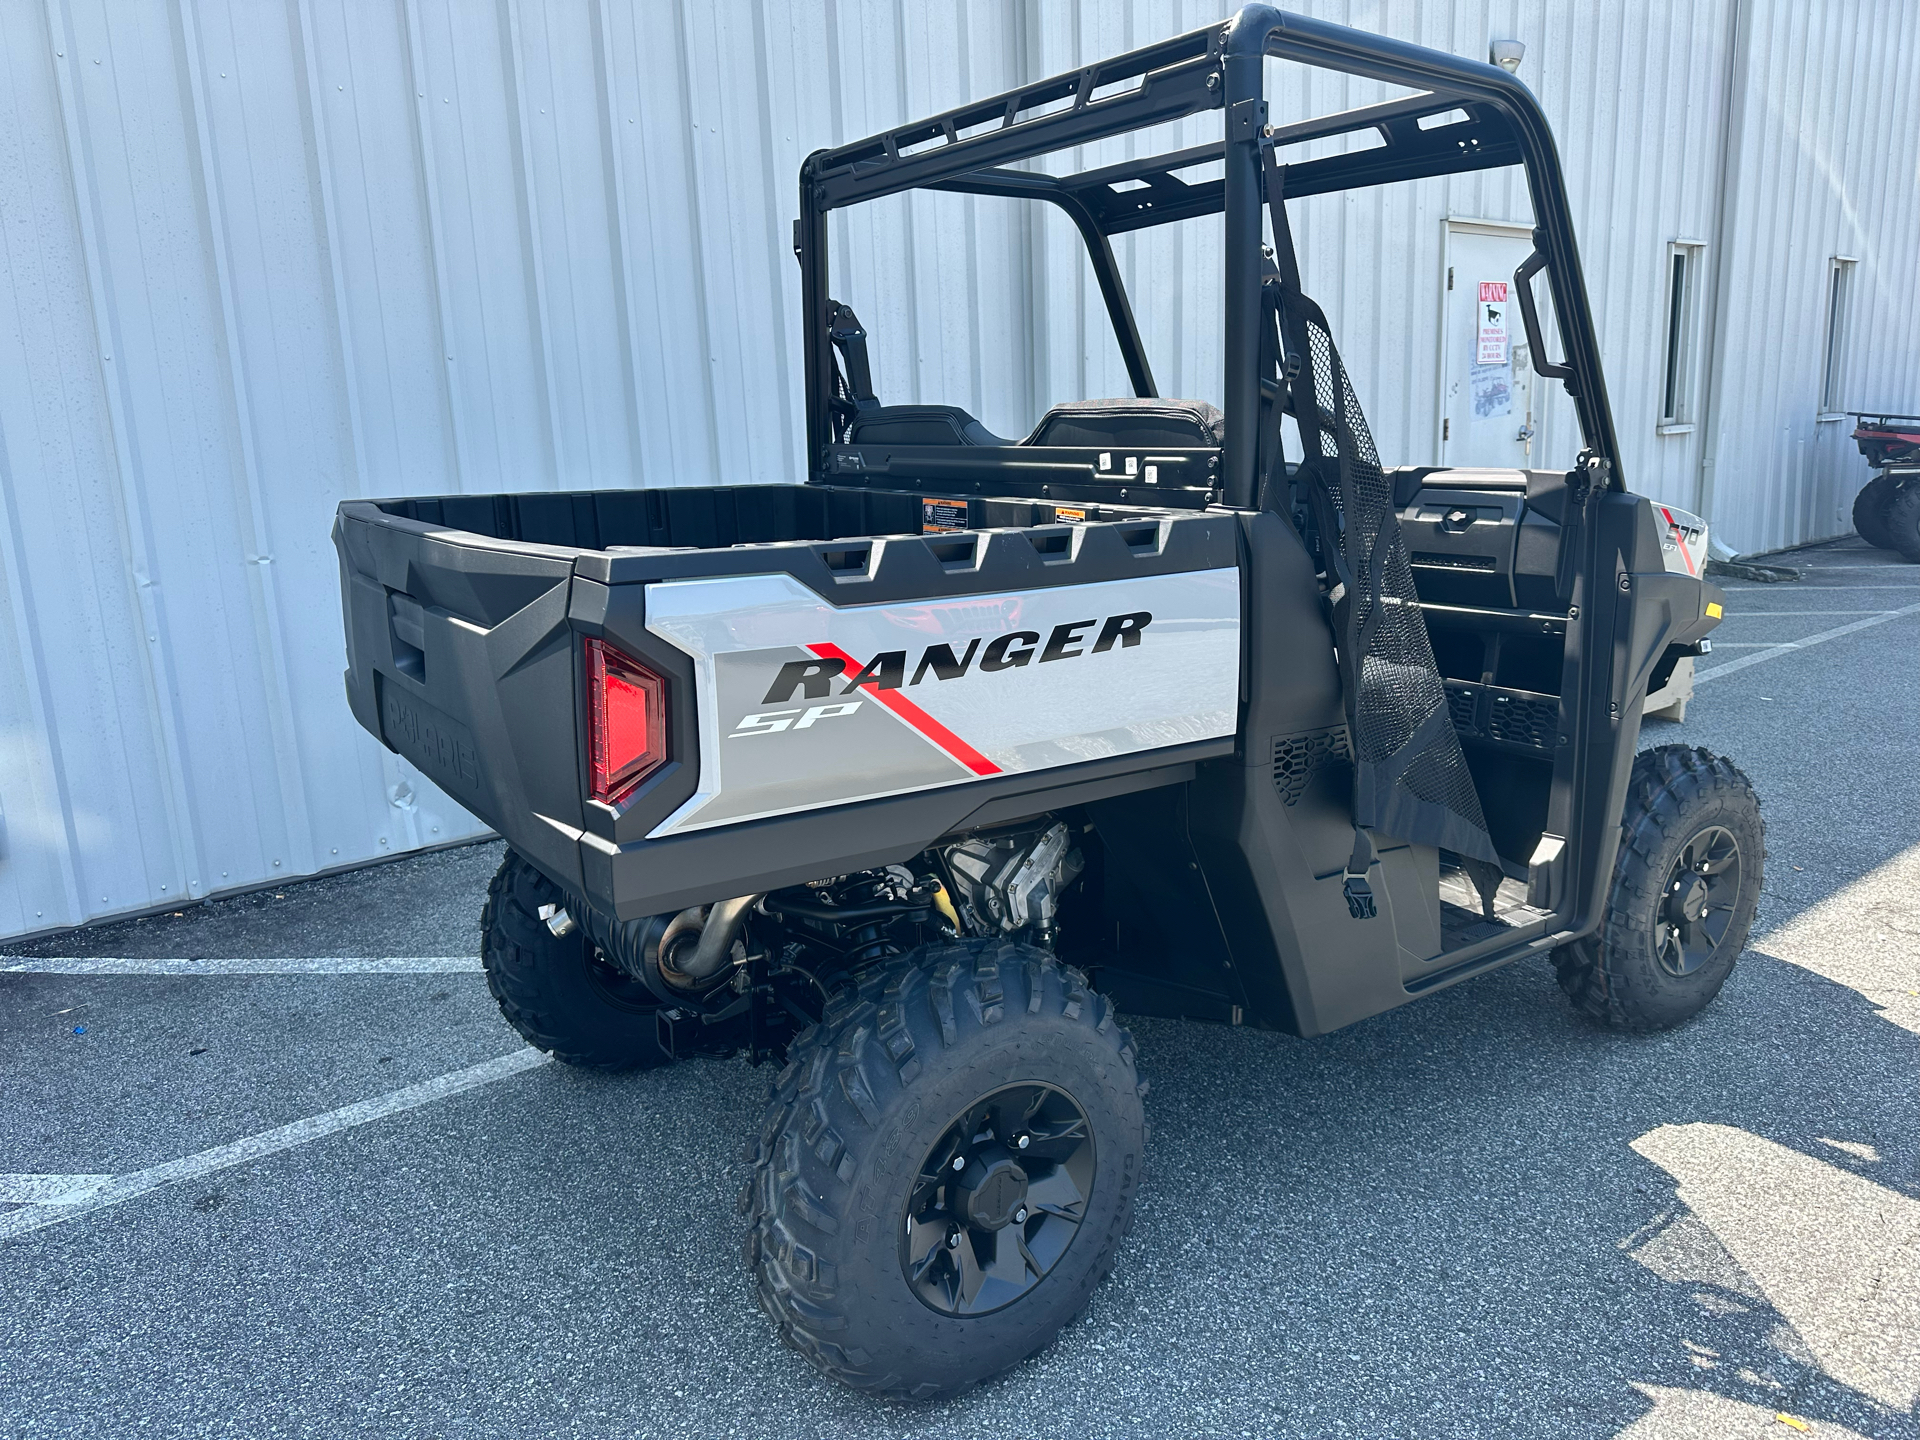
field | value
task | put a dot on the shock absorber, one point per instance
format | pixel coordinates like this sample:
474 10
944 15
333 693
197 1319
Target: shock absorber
866 941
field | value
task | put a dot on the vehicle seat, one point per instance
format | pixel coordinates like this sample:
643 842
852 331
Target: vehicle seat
1131 425
918 425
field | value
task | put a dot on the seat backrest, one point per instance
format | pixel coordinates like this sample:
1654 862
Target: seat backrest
1131 425
918 425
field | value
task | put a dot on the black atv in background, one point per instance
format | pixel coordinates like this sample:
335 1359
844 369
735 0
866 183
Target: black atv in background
915 775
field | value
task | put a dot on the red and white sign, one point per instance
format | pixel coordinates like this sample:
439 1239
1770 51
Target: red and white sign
1491 345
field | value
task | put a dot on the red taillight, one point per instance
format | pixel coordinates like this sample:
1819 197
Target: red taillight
626 721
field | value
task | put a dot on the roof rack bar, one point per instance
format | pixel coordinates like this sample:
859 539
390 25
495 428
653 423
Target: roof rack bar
1168 198
1011 104
867 171
1366 117
1146 165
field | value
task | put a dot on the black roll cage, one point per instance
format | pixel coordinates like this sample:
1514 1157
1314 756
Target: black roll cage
1218 68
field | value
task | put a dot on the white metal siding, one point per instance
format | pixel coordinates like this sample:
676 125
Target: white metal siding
1828 147
260 258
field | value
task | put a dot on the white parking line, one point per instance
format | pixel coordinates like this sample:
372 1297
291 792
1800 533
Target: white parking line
48 1189
321 965
1700 677
66 1204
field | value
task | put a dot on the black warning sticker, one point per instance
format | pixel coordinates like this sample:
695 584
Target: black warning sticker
937 515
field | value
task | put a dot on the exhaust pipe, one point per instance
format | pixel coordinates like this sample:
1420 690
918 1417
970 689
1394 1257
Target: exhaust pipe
718 930
673 955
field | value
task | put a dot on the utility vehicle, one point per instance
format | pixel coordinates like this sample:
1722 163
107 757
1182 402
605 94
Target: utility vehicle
918 774
1886 512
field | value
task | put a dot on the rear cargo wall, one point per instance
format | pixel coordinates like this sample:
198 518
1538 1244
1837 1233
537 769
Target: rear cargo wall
259 258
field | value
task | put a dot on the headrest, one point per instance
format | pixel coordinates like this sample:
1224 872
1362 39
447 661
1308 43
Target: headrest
919 425
1131 424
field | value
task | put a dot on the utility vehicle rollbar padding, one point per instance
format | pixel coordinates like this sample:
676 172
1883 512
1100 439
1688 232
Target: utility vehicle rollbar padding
1410 777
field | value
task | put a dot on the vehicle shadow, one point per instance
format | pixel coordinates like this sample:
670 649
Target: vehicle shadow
1445 1220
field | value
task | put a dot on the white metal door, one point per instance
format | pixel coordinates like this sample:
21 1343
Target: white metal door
1488 411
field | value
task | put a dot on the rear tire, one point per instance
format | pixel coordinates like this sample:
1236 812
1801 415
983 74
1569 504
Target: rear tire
887 1265
1685 886
556 990
1870 512
1901 518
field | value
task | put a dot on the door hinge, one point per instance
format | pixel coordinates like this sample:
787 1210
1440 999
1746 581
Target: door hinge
1446 429
1449 277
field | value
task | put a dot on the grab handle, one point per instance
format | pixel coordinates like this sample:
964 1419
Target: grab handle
1530 317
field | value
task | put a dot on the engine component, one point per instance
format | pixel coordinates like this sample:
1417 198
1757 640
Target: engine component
855 915
1014 881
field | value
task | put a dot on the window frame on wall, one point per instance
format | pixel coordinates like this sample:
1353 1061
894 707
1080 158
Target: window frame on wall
1682 311
1839 324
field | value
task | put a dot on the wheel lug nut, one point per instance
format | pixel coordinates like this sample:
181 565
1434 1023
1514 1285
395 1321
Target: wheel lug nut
1020 1216
953 1241
959 1162
1023 1142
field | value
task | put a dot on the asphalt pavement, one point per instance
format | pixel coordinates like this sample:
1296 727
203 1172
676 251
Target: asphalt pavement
320 1202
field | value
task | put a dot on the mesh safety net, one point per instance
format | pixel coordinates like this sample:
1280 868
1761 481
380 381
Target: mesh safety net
1410 774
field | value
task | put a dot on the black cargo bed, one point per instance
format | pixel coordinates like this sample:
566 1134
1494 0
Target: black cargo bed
712 517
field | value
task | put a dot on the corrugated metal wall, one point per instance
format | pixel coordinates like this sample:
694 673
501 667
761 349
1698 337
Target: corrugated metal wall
260 257
1826 162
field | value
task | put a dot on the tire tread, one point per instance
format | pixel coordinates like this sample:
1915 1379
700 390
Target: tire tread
1667 783
838 1071
517 952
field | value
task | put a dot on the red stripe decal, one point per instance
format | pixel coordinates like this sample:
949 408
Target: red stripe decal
1679 540
914 715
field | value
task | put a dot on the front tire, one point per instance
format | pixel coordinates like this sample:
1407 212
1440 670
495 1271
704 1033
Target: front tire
557 990
946 1168
1685 886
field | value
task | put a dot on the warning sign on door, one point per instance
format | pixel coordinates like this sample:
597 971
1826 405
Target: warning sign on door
1491 347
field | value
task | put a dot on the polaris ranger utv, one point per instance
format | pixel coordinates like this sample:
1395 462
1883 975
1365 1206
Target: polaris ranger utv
915 774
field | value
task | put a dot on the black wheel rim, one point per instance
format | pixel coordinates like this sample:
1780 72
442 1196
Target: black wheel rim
998 1199
1697 907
